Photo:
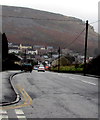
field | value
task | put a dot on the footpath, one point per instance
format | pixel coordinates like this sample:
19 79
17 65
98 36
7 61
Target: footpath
7 93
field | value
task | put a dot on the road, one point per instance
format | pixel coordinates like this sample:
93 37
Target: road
54 95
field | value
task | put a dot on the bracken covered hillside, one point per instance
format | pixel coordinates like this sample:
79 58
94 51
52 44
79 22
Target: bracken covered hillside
56 30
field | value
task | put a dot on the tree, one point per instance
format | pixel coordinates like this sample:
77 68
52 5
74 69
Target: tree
4 46
8 59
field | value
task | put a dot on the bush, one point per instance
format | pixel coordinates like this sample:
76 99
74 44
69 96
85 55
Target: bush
9 65
93 67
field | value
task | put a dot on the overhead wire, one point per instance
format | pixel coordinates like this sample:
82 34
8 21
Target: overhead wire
76 38
81 34
94 22
34 18
48 19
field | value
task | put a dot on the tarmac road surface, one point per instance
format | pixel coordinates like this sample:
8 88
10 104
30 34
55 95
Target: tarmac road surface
54 95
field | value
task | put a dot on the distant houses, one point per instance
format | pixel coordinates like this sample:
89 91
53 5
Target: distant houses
32 52
40 53
36 49
14 50
17 49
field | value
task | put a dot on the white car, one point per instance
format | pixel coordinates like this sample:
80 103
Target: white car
41 68
36 67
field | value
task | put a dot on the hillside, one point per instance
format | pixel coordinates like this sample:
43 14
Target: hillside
28 26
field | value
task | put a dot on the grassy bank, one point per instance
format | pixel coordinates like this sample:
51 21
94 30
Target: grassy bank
69 69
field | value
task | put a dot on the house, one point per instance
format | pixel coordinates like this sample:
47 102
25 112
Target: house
32 52
25 46
14 50
13 45
49 48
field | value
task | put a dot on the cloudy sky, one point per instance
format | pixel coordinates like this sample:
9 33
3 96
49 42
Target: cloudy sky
83 9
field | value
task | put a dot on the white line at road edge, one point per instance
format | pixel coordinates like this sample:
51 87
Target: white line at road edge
88 82
80 80
72 78
84 81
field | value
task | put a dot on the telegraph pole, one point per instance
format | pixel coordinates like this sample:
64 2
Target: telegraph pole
59 59
85 53
25 56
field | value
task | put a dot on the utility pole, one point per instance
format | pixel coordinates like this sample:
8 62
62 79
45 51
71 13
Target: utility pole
59 59
25 56
85 53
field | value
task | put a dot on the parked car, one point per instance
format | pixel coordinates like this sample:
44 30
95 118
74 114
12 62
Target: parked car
41 68
36 67
46 67
26 67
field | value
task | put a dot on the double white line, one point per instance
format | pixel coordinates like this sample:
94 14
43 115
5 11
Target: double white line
3 114
19 114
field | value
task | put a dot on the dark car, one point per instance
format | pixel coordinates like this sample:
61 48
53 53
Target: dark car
26 67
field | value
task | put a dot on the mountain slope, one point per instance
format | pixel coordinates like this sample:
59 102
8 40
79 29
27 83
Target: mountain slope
30 26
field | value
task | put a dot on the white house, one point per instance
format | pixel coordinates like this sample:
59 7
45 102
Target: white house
31 51
14 50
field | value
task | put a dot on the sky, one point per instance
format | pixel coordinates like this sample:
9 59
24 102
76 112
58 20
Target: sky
82 9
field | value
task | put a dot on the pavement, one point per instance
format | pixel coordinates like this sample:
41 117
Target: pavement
8 94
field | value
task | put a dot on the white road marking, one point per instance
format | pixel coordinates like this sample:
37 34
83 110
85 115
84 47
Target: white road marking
3 116
19 111
83 81
0 117
21 117
3 111
88 82
72 78
20 114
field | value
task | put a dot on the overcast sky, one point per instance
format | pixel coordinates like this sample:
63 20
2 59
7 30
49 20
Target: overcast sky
83 9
